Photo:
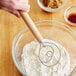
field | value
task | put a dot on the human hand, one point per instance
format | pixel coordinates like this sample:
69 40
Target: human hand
13 6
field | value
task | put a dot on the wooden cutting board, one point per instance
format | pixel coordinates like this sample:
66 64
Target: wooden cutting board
11 25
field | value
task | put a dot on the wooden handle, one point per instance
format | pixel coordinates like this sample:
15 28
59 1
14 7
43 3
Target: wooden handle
31 26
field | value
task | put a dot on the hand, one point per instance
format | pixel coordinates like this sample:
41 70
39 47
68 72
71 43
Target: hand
13 6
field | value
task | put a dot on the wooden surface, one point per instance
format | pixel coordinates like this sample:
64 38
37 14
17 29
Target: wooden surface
11 25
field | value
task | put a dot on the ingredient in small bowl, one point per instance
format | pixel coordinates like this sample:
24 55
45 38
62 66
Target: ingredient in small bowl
52 3
72 17
34 67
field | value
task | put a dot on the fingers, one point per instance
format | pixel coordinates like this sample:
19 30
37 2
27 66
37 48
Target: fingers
15 12
21 5
13 6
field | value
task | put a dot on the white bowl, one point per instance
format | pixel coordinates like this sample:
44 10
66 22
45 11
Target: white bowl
50 9
68 11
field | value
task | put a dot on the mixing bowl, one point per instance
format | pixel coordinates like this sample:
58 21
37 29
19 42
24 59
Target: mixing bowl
49 29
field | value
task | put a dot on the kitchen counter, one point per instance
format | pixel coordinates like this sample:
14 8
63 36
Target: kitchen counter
11 25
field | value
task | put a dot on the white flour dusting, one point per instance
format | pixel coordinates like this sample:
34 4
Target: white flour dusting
33 67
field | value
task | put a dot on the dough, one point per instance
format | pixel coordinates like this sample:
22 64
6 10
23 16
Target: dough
34 67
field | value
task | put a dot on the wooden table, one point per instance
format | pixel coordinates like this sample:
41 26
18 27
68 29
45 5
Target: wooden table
11 25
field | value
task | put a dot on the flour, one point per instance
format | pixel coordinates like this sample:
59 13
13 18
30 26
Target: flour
32 65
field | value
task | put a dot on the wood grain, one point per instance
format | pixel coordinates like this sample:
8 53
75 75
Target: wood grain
11 25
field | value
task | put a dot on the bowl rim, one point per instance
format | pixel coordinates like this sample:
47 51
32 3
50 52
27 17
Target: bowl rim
50 9
65 17
16 37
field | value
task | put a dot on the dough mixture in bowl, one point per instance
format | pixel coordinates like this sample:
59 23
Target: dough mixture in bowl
32 65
